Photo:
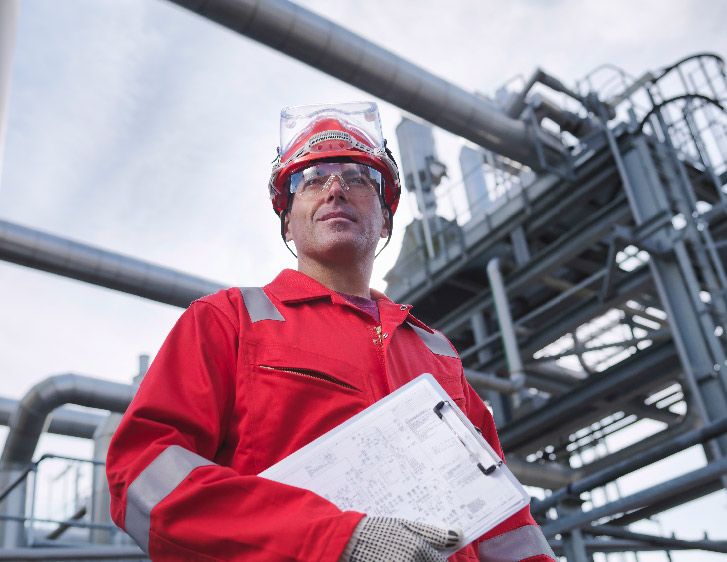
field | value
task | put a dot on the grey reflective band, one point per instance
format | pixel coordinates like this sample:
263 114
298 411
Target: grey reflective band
259 306
155 483
436 342
516 545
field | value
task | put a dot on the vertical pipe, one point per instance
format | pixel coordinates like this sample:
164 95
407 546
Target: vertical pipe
507 330
479 331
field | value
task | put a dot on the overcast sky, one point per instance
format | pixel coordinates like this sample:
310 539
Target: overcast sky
144 129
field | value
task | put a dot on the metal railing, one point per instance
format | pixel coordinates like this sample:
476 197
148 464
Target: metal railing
60 496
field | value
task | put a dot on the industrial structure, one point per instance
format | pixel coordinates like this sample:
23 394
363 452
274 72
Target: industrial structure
578 268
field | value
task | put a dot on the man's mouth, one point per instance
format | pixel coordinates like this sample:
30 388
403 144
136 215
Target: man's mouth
333 215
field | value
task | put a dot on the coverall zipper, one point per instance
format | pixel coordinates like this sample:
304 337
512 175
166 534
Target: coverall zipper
379 344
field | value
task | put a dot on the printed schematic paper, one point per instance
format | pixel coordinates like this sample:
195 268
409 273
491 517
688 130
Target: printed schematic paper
412 455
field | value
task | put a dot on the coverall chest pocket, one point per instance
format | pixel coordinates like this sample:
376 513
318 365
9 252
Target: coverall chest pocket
301 394
301 367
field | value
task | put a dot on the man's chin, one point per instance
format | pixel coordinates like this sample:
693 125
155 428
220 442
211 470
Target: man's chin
342 249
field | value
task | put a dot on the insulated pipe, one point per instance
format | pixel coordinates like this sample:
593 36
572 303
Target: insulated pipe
33 248
546 475
517 103
64 421
29 418
491 382
342 54
27 424
566 120
507 330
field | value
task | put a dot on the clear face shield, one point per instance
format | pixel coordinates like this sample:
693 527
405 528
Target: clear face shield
360 118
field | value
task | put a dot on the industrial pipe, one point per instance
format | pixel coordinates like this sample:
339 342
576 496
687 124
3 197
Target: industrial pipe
27 425
517 104
342 54
504 318
491 382
29 418
39 250
63 421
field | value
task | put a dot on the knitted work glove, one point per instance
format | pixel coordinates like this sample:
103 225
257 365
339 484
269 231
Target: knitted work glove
376 539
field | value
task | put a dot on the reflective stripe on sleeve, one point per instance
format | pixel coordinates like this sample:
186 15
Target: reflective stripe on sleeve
259 306
515 545
436 342
155 483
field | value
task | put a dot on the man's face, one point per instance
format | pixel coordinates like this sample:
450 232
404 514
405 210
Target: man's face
334 225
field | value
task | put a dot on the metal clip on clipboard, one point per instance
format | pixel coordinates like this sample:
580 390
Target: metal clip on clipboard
438 410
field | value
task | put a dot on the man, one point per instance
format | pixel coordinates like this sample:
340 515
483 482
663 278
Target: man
248 376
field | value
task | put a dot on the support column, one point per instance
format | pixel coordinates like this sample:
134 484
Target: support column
574 547
701 354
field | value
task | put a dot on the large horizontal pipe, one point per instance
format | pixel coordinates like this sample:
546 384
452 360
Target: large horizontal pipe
39 250
631 464
334 50
63 421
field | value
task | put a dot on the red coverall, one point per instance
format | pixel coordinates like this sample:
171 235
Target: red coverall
240 384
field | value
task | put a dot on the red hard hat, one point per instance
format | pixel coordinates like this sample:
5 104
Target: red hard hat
316 132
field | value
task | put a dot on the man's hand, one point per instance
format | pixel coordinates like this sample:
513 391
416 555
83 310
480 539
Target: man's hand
376 539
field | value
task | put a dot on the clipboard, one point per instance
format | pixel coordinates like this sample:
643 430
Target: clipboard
414 455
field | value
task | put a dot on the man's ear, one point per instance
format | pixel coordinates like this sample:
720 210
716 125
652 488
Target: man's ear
386 227
286 228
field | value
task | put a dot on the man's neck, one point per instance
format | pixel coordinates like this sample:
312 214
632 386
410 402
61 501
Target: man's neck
352 280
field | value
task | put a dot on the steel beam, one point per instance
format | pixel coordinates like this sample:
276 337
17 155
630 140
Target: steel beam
671 501
636 462
643 498
665 542
569 408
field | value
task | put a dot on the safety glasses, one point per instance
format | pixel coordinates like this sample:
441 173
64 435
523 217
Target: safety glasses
358 180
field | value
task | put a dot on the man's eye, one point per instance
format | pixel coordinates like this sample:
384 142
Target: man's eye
358 180
312 182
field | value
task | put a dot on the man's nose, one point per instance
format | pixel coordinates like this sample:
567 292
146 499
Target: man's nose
337 189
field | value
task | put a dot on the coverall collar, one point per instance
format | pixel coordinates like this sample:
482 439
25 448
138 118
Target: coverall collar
292 286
